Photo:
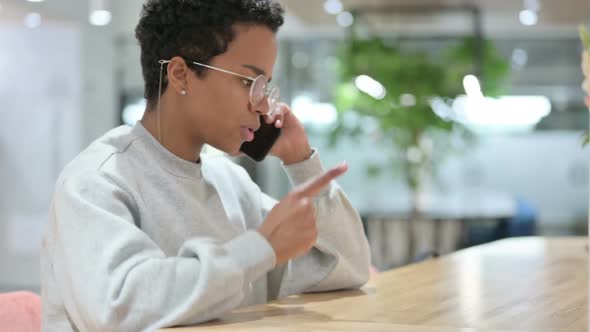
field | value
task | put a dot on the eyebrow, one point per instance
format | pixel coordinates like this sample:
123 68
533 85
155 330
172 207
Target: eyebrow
257 71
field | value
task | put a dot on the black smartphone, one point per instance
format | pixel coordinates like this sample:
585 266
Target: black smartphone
264 139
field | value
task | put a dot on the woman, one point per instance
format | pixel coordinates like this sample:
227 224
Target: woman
145 234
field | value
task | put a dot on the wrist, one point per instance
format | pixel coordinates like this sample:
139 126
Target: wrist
279 259
298 155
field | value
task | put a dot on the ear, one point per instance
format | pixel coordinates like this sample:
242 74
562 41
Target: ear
178 72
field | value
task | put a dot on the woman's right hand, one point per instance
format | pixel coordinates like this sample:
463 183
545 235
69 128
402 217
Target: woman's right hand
290 227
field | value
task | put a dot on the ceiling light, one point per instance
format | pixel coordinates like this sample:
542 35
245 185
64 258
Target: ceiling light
528 17
345 19
333 7
100 14
100 17
370 86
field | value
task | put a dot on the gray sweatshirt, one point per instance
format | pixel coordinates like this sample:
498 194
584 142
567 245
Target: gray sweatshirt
140 239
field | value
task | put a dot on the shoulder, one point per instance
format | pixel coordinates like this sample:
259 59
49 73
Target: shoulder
96 165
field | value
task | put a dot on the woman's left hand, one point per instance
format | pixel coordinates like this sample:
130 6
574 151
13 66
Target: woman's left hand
293 144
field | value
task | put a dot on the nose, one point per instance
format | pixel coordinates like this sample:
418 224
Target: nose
262 108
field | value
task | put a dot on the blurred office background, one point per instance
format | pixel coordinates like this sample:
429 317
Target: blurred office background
511 164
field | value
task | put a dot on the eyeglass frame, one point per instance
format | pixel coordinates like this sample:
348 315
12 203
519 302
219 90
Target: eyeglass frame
267 92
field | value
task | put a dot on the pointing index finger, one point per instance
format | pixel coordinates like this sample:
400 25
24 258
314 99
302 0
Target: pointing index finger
314 186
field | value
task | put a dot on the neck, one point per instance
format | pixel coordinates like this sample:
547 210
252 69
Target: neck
171 134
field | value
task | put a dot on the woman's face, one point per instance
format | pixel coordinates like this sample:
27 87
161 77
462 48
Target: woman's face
217 107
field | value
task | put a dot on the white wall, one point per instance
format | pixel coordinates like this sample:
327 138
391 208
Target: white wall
549 169
100 85
58 94
40 99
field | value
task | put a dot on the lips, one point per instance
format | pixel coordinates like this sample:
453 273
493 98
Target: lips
247 134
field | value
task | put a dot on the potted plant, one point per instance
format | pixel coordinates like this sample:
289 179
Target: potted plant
396 89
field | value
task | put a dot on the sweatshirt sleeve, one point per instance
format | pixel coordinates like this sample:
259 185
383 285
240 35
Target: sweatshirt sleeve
112 276
340 258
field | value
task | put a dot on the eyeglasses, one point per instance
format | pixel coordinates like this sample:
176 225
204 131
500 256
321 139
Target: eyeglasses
259 87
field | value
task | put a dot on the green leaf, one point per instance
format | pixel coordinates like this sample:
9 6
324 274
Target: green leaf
373 170
584 36
411 79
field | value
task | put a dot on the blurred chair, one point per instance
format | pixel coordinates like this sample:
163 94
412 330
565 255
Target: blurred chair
523 223
20 312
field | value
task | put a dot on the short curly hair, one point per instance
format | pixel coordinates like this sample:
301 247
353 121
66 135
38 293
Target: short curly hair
194 29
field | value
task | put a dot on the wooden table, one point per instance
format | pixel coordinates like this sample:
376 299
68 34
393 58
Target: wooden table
521 284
